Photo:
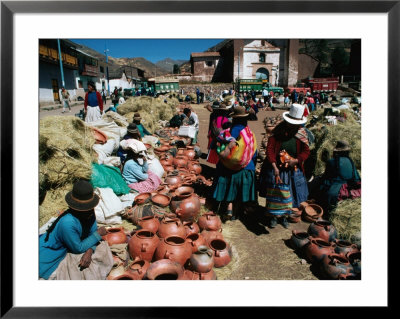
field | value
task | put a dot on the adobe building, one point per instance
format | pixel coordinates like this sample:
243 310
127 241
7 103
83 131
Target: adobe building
204 65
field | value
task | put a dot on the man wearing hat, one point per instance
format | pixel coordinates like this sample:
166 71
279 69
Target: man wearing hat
93 104
289 136
339 170
70 248
136 119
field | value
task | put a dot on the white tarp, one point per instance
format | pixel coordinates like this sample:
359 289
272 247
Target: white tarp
109 207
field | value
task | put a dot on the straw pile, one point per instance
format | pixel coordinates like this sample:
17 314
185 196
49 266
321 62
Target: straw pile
118 119
346 218
326 137
53 203
152 110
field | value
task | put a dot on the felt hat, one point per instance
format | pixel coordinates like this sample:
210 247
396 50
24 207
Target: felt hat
238 111
223 106
132 128
295 114
342 146
136 116
82 198
215 105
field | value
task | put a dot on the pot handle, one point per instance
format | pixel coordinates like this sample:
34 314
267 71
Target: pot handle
143 249
217 253
178 211
166 254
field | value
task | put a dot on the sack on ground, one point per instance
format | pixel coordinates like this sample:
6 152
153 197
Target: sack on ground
104 176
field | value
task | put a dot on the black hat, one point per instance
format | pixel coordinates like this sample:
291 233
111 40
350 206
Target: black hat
342 146
239 111
82 197
132 128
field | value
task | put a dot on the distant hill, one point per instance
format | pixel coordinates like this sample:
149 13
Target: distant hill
148 67
168 64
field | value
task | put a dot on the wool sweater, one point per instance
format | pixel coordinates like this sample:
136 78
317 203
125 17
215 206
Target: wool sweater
99 101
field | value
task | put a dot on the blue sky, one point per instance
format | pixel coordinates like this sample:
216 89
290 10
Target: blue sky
153 50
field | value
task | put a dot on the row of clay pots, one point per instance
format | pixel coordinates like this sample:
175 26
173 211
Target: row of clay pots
308 212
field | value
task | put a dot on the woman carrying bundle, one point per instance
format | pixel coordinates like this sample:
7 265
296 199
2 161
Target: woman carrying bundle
235 172
283 183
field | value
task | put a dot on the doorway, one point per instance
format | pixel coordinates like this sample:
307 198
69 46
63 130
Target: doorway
56 94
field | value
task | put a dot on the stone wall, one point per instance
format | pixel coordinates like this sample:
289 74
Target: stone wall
307 66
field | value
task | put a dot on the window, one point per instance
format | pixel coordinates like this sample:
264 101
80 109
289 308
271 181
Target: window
209 63
262 58
102 69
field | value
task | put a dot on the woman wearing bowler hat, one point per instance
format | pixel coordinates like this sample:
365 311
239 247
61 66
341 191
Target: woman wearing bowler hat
72 247
289 135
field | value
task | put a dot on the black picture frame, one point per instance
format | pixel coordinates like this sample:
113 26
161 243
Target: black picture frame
9 8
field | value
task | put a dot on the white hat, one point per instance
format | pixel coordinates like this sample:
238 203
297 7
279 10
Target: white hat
135 145
295 115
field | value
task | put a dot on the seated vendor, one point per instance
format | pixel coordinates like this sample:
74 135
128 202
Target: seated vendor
142 130
133 133
136 171
193 120
72 247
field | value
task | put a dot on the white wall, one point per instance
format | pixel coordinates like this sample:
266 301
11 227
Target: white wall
46 95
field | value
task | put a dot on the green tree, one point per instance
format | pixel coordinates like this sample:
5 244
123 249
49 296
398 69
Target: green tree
176 69
340 61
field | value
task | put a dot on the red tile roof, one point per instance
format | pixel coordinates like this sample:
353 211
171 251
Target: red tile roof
203 54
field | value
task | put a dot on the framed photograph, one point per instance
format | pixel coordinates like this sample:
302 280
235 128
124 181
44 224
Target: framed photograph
24 23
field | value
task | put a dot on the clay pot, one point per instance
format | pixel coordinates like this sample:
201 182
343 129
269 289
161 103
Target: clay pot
115 235
189 152
355 260
174 248
137 269
193 275
317 249
116 273
191 227
150 223
171 227
202 261
142 198
210 235
180 151
194 167
323 229
180 161
222 252
303 205
173 180
161 200
299 239
334 265
142 245
168 168
163 189
295 215
209 221
195 240
167 159
165 269
99 136
162 148
312 212
344 247
148 146
185 203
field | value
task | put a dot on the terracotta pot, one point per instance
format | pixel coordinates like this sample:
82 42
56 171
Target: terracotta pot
162 148
299 239
99 136
168 168
189 152
171 227
355 260
116 273
173 180
148 146
180 151
166 159
137 269
165 269
295 215
303 205
115 235
163 189
194 167
174 248
185 204
210 235
312 212
209 221
192 275
334 265
150 223
344 247
191 227
202 261
317 249
222 252
142 245
323 229
161 200
195 240
142 198
180 161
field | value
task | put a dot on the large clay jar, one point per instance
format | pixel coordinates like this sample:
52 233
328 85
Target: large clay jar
115 235
317 249
209 221
344 247
171 227
192 275
150 223
323 229
173 180
191 227
334 265
161 200
180 161
141 198
165 269
202 261
142 245
222 252
312 213
189 152
174 248
185 203
195 240
299 239
195 167
138 269
163 189
210 235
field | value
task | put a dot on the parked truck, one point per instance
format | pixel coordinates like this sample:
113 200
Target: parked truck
323 84
246 85
300 88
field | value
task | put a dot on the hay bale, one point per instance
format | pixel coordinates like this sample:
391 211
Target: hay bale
53 203
117 118
346 218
